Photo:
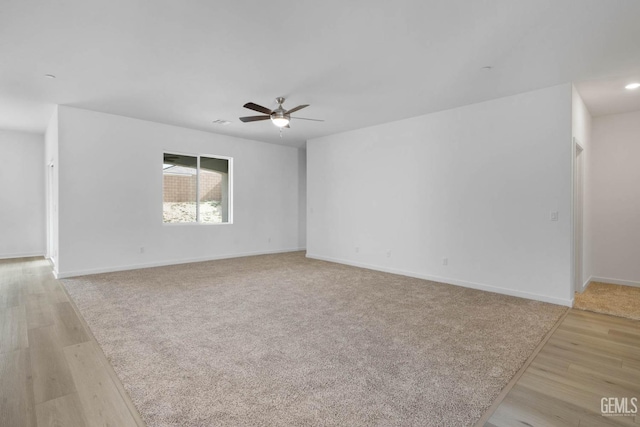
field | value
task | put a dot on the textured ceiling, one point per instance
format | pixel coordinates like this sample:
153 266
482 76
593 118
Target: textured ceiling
357 63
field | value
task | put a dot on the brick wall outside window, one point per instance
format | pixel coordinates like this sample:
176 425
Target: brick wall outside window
182 188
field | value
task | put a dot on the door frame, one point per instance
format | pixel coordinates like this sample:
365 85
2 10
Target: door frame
578 218
50 212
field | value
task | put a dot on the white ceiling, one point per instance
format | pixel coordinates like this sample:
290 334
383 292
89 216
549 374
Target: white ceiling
358 63
609 96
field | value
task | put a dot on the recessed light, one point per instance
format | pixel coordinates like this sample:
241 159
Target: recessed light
221 122
50 76
632 86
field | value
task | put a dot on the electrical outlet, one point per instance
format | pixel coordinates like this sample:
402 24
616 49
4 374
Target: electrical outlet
445 261
553 216
141 249
357 249
388 254
269 240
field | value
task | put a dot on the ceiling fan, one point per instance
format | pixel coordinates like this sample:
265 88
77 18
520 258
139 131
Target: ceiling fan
279 117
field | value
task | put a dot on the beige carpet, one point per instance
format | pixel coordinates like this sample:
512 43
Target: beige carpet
281 340
621 301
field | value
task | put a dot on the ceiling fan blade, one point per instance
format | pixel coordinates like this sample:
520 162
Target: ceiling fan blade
302 118
299 107
254 118
256 107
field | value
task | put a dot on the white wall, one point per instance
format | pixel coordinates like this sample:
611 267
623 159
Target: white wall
615 198
302 198
110 195
581 132
22 219
475 185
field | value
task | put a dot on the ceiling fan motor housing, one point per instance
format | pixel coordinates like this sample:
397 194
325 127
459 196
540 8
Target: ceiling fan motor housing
279 114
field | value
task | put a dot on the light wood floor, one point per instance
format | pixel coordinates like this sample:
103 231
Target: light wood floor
53 373
588 357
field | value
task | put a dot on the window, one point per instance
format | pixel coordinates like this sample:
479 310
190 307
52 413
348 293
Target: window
196 189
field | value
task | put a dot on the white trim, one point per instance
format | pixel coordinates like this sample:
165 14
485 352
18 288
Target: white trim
67 274
22 255
577 210
585 284
463 283
612 281
198 219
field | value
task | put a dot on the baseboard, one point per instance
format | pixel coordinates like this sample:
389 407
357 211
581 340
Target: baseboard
67 274
22 255
456 282
586 284
613 281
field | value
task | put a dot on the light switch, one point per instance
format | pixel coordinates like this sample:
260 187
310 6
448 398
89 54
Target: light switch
554 216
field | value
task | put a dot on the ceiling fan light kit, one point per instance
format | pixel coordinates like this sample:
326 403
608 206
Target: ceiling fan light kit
279 117
280 121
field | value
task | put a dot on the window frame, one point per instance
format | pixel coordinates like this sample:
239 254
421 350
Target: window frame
229 196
